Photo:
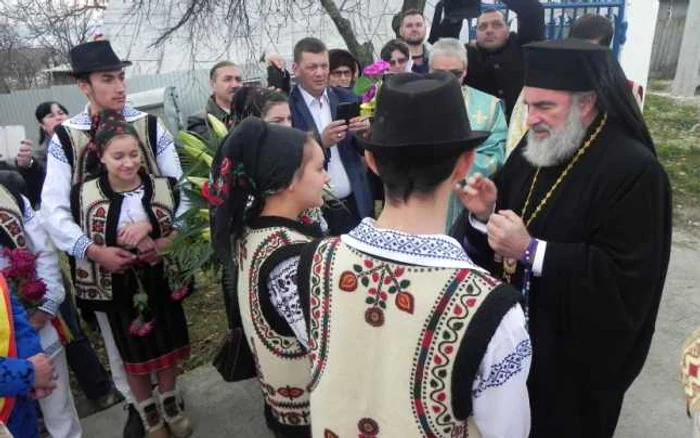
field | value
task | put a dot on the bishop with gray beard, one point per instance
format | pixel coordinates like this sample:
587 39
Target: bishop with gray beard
579 220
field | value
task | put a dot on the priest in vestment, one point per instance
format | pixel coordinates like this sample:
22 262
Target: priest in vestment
485 113
579 220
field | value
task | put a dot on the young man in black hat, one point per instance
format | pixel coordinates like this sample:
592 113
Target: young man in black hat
72 158
406 335
579 219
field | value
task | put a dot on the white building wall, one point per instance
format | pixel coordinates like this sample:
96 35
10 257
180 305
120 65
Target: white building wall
635 56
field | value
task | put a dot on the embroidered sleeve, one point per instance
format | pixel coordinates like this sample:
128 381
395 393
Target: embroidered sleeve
499 394
165 139
79 250
169 165
56 150
56 216
282 286
47 267
28 215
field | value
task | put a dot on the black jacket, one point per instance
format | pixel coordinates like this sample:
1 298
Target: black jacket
501 72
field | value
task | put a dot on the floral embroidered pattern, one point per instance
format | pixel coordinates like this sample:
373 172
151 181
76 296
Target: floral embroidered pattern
164 217
368 428
10 223
382 281
435 356
504 370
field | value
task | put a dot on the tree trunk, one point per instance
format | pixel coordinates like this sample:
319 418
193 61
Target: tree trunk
364 52
687 80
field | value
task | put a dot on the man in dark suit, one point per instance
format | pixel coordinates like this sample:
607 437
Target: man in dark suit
314 106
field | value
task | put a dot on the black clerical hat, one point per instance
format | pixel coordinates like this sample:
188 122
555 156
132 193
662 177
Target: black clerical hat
561 64
422 115
95 56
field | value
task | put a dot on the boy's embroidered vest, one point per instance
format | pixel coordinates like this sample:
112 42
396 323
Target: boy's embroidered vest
282 363
11 223
383 341
98 217
75 142
8 344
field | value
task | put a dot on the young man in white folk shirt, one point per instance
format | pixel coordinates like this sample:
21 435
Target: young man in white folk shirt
407 337
71 158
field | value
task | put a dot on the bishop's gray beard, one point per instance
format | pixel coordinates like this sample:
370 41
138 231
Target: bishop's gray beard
561 144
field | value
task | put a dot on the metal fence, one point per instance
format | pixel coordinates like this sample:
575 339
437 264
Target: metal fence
560 14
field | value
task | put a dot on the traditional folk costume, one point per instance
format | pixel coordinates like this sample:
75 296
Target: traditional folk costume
102 212
601 227
18 342
71 159
485 114
20 227
256 160
407 337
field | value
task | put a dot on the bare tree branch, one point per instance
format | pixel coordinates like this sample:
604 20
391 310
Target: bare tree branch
209 26
364 51
51 24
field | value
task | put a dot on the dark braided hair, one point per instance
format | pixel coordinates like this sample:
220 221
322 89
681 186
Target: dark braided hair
256 160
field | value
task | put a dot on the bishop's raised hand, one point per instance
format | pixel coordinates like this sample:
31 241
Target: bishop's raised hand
478 196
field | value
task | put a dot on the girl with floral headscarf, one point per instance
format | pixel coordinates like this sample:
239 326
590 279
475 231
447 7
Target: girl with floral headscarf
131 213
265 175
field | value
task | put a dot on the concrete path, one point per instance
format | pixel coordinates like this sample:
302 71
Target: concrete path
654 406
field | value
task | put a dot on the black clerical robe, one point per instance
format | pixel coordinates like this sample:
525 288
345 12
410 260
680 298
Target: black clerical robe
593 309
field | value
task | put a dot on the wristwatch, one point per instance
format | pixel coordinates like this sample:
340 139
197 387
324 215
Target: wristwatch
31 163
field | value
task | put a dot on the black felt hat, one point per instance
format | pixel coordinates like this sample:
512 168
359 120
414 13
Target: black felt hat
95 56
422 115
561 64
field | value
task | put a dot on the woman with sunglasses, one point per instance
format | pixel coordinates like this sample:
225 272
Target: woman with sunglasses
396 53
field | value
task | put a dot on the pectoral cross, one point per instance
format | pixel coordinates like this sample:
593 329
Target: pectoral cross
479 117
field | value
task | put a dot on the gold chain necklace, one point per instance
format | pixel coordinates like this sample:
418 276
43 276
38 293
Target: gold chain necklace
510 265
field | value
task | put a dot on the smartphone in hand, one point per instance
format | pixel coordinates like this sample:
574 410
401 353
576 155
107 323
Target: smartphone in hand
347 111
